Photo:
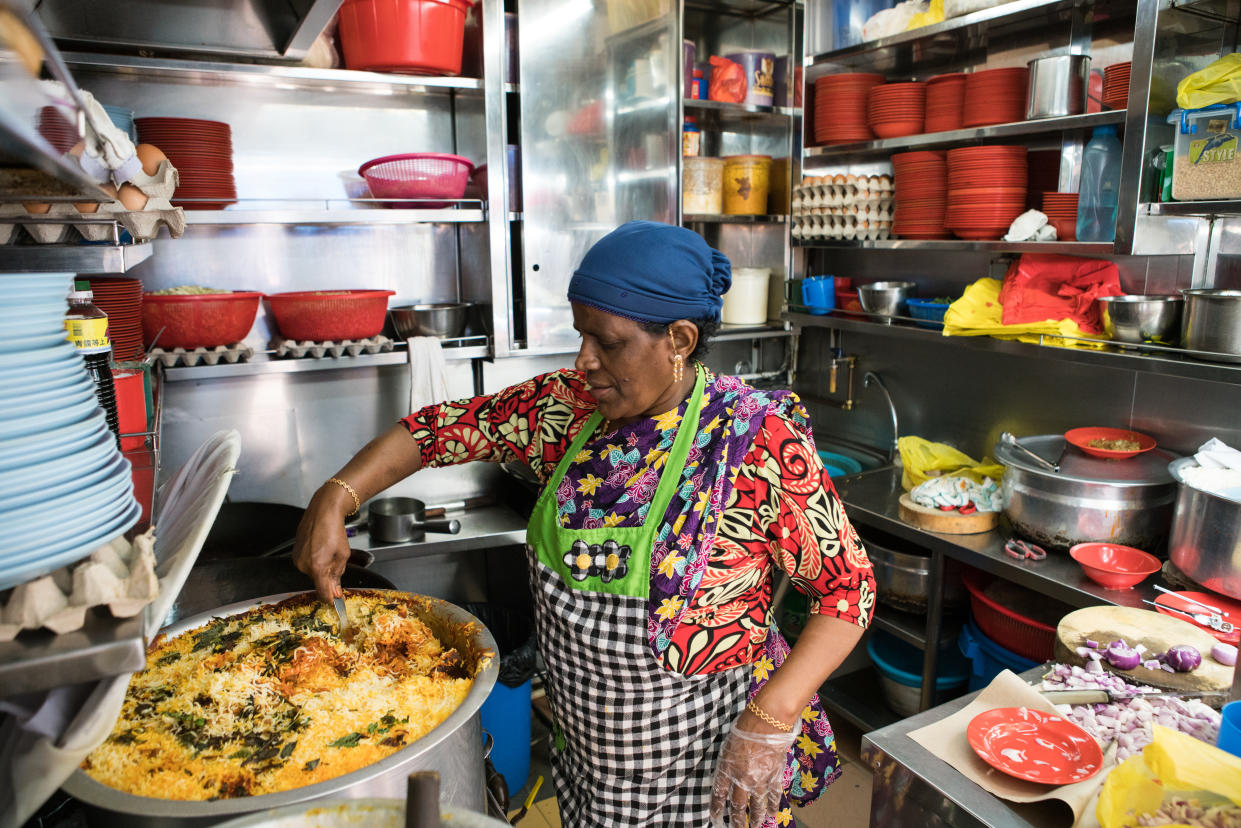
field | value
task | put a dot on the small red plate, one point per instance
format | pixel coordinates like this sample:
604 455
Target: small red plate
1177 601
1081 437
1035 746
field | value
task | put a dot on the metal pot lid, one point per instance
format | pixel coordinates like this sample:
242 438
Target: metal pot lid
1147 469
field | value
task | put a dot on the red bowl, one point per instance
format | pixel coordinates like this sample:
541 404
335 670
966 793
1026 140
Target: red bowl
198 320
1081 438
1066 228
1113 566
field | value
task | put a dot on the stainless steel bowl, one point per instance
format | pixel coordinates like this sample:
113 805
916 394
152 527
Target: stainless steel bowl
1057 86
1212 323
1142 318
903 579
443 319
454 747
885 298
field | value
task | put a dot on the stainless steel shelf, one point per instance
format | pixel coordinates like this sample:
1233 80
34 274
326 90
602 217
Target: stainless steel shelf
723 115
732 333
333 213
742 8
696 218
266 363
1064 248
1150 359
75 258
1205 209
929 45
258 74
857 698
906 626
958 137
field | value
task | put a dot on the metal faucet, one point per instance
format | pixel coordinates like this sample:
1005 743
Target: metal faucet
867 379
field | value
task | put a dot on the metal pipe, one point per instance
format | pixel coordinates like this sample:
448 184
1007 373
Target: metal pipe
867 379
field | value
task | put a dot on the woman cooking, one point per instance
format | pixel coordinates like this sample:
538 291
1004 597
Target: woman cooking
671 497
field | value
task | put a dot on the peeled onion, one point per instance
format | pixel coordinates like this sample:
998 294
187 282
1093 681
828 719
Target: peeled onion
1182 658
1225 654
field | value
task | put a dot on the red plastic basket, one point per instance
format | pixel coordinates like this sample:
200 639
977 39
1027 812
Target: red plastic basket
194 320
418 175
330 315
1012 631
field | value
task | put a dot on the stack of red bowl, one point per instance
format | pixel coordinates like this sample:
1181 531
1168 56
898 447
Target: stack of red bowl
945 100
986 190
896 109
1116 86
921 195
840 107
202 152
56 129
121 299
995 96
1061 212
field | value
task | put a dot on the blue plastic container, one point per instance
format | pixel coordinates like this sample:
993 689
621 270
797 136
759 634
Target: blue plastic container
900 671
506 716
987 658
838 465
931 312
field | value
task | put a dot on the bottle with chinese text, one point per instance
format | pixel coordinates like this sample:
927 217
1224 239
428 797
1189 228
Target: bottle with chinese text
88 331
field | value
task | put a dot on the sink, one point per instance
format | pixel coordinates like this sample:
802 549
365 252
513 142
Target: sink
842 457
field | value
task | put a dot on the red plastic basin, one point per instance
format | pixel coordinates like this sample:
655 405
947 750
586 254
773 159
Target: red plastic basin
418 37
1114 566
198 319
330 315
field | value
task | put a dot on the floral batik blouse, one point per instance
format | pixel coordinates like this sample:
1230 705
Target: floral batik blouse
711 607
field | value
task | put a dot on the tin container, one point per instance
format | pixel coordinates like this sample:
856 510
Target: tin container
1205 542
760 75
1057 86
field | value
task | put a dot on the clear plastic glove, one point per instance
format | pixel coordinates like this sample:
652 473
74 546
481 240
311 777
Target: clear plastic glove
750 774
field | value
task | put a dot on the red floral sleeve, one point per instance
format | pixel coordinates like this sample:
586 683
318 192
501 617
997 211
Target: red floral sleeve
808 534
534 422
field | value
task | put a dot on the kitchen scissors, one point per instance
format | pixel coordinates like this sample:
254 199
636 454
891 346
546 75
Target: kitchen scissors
1023 550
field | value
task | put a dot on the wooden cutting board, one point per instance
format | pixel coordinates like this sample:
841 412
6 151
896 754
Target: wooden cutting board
1137 626
947 523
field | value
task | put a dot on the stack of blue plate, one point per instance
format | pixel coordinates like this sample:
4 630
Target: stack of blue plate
67 487
123 119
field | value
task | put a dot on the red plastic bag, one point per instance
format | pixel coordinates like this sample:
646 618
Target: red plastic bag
728 81
1039 287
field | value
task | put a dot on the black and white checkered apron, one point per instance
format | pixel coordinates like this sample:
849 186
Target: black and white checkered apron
640 743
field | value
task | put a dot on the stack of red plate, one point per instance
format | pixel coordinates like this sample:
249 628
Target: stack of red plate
202 152
56 129
986 190
121 299
995 96
840 107
896 109
921 195
1061 212
1116 86
945 99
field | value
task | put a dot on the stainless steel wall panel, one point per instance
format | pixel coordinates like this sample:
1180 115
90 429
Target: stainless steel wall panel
1183 414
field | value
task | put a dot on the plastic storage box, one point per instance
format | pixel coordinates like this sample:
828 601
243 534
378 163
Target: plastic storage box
1206 163
900 672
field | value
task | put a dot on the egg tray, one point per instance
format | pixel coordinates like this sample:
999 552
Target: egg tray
841 227
143 224
293 349
119 575
842 191
879 211
237 352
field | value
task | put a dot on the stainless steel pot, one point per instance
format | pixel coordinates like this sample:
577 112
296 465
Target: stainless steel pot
1122 501
402 519
454 748
1212 323
1057 86
1206 535
371 813
904 578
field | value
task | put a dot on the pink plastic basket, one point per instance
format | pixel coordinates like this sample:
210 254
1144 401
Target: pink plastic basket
425 176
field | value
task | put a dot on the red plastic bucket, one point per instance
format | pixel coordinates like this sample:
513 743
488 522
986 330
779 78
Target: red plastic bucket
419 37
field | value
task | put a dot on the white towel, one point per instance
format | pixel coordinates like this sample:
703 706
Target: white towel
428 373
109 154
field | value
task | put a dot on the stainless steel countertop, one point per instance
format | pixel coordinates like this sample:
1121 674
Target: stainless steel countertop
870 499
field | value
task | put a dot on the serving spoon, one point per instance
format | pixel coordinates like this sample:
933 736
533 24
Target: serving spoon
346 633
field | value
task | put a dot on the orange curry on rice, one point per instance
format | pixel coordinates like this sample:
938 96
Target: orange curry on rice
272 699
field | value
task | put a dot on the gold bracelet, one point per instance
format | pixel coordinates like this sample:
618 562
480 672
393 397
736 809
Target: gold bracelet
767 717
357 504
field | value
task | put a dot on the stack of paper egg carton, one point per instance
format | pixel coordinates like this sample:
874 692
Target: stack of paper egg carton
843 207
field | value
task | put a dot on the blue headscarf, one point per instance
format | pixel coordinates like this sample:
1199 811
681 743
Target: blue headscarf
652 272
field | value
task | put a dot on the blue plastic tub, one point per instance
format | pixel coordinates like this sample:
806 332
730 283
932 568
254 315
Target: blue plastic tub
838 465
987 658
932 313
900 671
506 716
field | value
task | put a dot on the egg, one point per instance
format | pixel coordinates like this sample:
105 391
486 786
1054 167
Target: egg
36 207
133 198
150 157
93 206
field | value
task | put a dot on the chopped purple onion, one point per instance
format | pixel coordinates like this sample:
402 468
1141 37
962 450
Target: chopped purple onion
1092 644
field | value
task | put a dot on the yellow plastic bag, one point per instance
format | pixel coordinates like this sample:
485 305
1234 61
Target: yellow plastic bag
1219 83
1172 766
923 459
978 313
934 14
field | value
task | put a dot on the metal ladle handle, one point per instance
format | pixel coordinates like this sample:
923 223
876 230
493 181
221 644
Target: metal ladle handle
1010 440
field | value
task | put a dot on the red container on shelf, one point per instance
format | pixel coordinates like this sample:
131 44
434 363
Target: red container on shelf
417 37
330 315
193 320
1025 636
131 406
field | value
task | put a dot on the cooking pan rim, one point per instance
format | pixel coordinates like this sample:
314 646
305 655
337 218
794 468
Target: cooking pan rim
1005 457
83 787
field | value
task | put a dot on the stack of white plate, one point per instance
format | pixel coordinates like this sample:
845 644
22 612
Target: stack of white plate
67 489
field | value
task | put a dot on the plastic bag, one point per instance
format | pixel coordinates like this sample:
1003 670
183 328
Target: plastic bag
933 14
1040 287
728 81
978 313
1219 83
923 459
888 22
1173 766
